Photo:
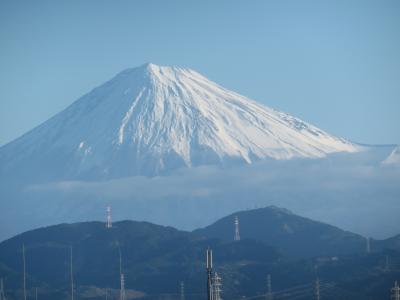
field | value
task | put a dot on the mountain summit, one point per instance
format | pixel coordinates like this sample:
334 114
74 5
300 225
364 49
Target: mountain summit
152 119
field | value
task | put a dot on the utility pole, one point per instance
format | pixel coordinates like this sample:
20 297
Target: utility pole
36 294
269 287
396 291
317 290
237 233
71 273
210 294
24 265
182 285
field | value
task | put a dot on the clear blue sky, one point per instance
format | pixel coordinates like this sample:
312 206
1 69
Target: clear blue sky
335 64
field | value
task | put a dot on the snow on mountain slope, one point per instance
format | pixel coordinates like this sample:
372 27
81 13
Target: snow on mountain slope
393 158
152 119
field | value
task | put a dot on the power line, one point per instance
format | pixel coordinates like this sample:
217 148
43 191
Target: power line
295 294
288 295
287 292
331 289
297 291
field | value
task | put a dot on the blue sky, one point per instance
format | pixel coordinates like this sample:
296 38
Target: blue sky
335 64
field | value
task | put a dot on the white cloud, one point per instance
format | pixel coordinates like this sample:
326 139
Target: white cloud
350 191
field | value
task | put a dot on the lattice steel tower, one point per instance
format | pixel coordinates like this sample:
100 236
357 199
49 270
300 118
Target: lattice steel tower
24 269
317 289
269 287
122 294
396 291
2 293
368 244
71 273
237 232
182 290
109 221
217 284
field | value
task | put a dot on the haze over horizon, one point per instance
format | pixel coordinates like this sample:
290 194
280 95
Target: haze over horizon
335 65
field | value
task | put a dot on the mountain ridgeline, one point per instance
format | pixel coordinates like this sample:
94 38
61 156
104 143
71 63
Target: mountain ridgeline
151 120
156 258
293 235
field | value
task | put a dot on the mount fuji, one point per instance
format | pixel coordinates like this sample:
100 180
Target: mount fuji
153 119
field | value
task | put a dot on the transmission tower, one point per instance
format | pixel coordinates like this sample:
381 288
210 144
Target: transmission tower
122 292
2 293
71 272
122 278
387 267
209 263
182 286
269 287
24 266
109 220
317 290
368 245
395 291
237 233
217 284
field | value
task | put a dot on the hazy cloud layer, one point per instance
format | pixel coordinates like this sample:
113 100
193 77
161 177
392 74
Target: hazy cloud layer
355 192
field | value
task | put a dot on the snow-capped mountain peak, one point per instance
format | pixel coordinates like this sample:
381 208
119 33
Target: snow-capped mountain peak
151 119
